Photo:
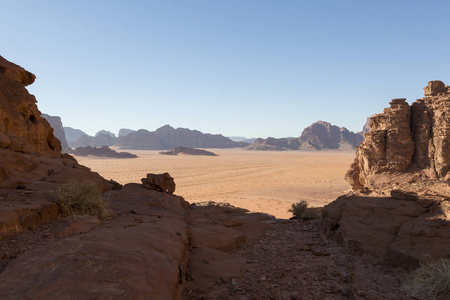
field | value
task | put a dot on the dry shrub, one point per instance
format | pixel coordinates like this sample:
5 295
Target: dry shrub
79 198
301 211
430 281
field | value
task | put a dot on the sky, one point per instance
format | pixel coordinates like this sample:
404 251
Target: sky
234 67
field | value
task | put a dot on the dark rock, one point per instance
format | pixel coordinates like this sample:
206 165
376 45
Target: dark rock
160 182
188 151
104 151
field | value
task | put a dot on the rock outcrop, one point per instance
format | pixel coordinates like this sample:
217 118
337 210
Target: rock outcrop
22 128
188 151
56 124
319 136
167 137
399 210
408 138
104 151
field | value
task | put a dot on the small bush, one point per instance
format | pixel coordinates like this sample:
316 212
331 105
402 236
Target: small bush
301 211
430 281
78 198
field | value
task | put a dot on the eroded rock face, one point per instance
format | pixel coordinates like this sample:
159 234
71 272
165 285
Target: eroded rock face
160 182
22 128
406 138
57 126
317 136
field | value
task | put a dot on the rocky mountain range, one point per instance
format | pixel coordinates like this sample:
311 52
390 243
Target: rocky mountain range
318 136
167 137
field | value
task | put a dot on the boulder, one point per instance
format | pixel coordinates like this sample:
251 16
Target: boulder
160 182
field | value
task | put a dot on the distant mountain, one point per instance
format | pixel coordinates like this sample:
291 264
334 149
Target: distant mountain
106 132
167 137
72 134
242 139
366 127
100 140
318 136
57 126
125 131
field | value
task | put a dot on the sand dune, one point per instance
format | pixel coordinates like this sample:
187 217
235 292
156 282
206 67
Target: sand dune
259 181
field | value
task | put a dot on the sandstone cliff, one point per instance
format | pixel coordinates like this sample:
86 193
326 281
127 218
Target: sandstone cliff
56 124
404 138
21 126
318 136
399 210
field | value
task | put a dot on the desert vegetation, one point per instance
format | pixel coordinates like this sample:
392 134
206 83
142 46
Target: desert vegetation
430 281
78 198
301 211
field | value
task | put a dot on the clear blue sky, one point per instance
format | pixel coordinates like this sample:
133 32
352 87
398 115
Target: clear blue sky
246 68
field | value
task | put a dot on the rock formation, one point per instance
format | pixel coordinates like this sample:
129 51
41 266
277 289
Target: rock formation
106 132
319 136
56 124
72 134
167 137
22 128
399 210
104 151
188 151
125 131
99 140
403 138
159 182
141 252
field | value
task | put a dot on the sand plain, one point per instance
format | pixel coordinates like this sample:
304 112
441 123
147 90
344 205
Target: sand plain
260 181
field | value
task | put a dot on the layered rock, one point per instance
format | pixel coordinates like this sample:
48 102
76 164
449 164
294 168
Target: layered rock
400 209
403 138
56 124
318 136
22 128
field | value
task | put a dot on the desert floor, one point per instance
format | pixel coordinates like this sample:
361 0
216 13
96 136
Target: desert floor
259 181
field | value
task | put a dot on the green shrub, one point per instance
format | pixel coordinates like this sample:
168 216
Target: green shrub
301 211
78 198
430 281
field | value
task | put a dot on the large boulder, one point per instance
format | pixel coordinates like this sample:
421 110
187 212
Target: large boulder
160 182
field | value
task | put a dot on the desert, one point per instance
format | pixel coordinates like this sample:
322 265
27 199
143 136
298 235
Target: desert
224 150
259 181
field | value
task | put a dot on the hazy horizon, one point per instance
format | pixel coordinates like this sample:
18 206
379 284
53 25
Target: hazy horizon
253 68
